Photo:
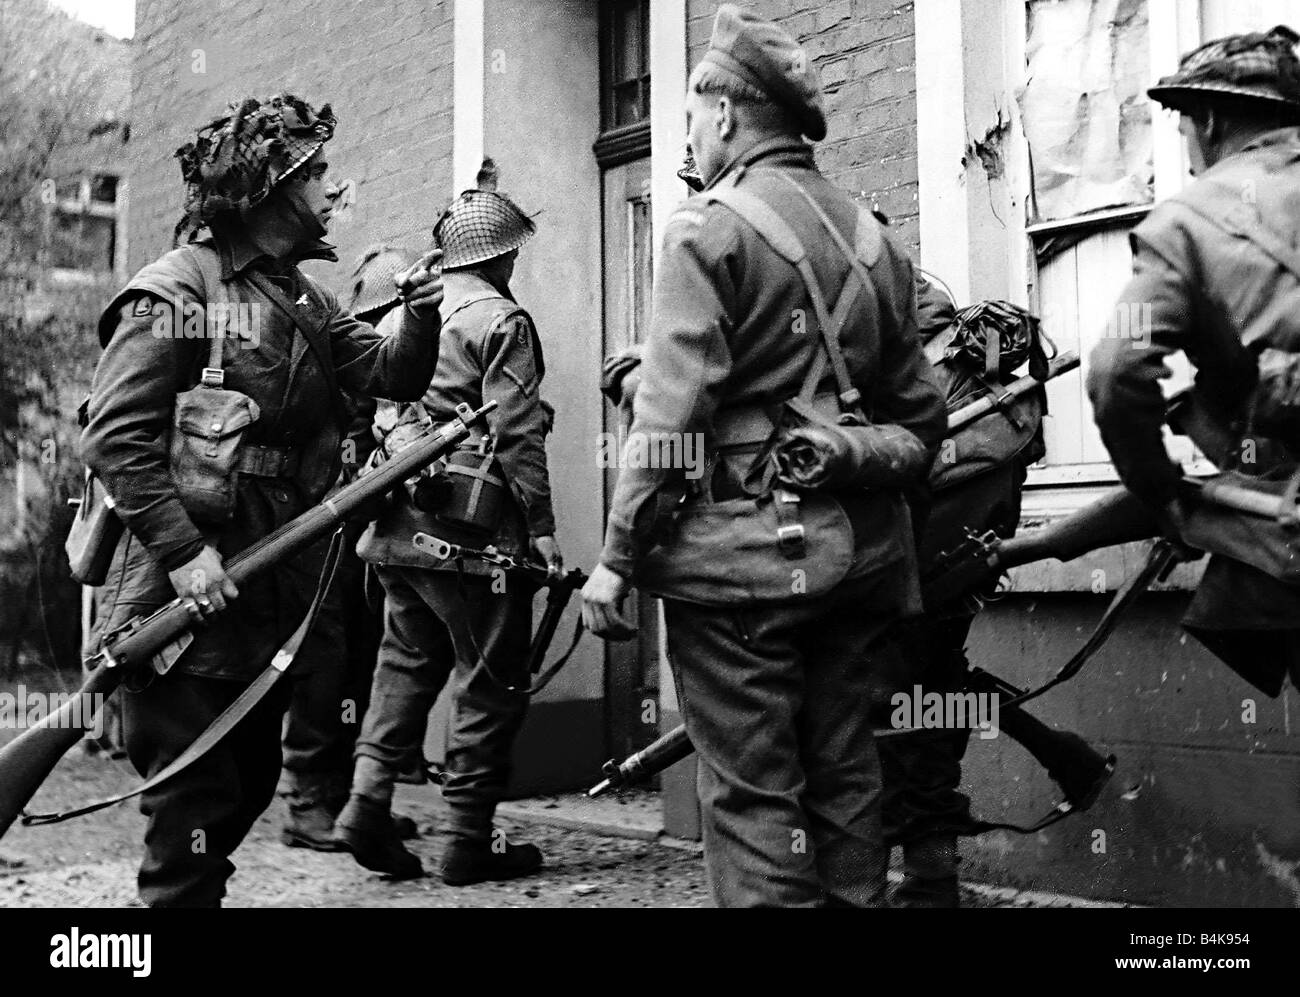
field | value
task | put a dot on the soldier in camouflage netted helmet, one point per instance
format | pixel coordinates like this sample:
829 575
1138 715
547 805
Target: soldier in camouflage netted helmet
239 157
1215 278
259 199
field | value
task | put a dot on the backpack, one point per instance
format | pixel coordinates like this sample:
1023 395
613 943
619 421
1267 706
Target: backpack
977 477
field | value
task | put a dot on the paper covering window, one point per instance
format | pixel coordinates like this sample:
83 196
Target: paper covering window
1084 107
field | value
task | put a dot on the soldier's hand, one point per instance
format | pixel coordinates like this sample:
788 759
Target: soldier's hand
602 604
420 286
204 579
549 551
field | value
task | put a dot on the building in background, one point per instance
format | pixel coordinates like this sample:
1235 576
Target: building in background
64 132
1011 143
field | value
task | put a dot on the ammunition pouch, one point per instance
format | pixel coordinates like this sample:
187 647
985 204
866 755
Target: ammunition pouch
208 428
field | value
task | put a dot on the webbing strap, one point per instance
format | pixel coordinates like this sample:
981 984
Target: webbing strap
777 233
214 374
233 714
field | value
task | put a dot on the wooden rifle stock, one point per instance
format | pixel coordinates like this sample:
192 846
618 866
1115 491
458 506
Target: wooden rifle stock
27 760
967 414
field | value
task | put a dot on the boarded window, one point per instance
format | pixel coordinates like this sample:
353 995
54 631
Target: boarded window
1084 107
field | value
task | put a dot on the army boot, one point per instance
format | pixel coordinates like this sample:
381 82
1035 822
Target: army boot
479 860
365 827
312 808
339 791
929 873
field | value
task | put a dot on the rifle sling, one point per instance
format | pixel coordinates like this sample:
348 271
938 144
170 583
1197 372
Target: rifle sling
544 679
315 342
1160 559
232 714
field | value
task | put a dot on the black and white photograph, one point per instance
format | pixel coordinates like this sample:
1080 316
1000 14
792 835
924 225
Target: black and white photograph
651 454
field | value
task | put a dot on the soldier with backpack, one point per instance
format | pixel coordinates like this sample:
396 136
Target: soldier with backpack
780 308
974 484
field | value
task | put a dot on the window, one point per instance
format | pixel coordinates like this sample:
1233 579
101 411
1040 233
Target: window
82 233
624 81
641 272
1100 153
625 63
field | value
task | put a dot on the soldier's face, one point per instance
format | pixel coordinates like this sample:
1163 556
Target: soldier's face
315 191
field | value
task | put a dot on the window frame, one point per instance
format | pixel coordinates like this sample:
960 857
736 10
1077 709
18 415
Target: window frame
1173 27
84 206
621 143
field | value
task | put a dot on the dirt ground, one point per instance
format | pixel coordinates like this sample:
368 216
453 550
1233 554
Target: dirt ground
91 861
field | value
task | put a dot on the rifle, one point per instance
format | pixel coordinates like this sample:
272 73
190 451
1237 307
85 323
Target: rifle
26 762
964 416
559 591
1116 517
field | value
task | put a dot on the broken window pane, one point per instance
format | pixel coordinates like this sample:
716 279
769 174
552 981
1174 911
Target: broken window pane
1084 106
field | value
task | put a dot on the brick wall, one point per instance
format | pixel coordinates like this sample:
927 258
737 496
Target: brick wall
866 54
385 65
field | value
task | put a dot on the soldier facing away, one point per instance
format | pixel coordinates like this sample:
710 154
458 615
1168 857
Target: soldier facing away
776 603
259 200
1216 269
446 621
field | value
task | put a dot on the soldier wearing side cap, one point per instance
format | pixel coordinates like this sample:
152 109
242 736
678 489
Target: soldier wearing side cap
775 690
259 201
1216 269
452 621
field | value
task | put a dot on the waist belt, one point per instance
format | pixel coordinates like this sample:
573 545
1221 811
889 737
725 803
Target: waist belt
750 425
268 462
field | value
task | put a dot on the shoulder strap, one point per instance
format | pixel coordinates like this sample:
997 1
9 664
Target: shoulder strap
311 334
214 374
777 233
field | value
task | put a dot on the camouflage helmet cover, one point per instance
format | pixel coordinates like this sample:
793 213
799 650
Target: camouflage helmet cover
239 156
481 224
1259 67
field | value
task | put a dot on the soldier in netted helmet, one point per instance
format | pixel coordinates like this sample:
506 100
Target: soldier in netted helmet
230 310
1216 277
464 623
